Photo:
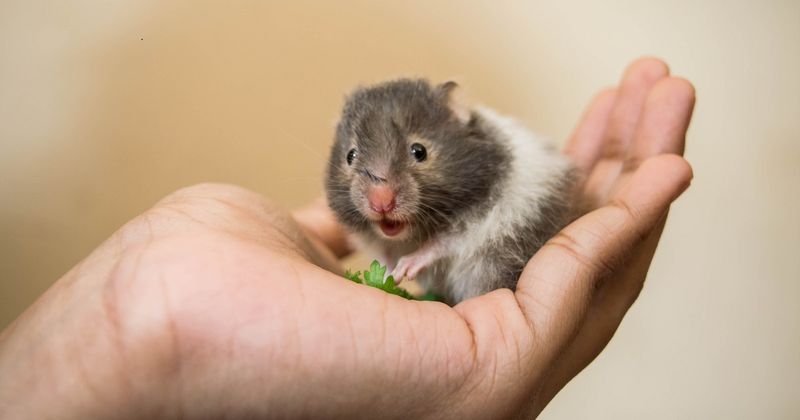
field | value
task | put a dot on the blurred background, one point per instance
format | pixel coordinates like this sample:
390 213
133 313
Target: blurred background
107 106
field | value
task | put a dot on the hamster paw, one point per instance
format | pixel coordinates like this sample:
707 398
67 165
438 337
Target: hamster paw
412 264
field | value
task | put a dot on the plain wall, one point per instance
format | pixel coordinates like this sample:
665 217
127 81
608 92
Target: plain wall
107 106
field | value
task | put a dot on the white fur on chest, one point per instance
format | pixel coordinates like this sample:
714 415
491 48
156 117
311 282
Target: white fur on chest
535 170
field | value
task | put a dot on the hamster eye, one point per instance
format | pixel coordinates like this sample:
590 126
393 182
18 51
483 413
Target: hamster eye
351 155
419 152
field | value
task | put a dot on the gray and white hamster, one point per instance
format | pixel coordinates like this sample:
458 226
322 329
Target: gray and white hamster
454 195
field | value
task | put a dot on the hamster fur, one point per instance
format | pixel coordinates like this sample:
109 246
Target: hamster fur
454 195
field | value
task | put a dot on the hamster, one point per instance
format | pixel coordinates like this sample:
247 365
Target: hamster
454 195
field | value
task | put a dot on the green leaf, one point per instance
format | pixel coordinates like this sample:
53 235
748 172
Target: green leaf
391 287
355 277
430 297
374 278
376 272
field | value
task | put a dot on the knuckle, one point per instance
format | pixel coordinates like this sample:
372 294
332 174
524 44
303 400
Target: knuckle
632 163
572 248
614 148
630 212
632 216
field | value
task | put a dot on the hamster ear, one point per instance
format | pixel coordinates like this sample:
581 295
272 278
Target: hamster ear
457 100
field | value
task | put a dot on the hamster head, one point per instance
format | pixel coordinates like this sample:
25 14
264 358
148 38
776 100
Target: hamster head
409 160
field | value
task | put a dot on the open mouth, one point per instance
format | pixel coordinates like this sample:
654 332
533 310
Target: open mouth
391 227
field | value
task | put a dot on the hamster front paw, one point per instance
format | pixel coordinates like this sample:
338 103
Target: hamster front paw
412 264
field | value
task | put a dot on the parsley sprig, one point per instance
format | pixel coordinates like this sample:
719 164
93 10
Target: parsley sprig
374 277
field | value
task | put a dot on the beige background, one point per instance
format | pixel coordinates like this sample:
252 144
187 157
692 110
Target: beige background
107 106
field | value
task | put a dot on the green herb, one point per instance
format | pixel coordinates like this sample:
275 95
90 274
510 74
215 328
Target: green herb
375 278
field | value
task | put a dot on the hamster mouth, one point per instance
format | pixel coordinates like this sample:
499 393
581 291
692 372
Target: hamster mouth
391 228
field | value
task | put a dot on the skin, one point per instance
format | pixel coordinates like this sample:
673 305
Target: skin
216 303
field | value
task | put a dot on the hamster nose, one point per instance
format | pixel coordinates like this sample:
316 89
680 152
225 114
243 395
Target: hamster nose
381 198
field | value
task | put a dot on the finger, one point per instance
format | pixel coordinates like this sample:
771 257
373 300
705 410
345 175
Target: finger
662 130
666 116
636 83
586 142
638 80
558 284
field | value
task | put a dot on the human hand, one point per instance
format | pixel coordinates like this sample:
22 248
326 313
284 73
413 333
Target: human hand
217 303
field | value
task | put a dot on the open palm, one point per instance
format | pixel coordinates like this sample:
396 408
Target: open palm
217 303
